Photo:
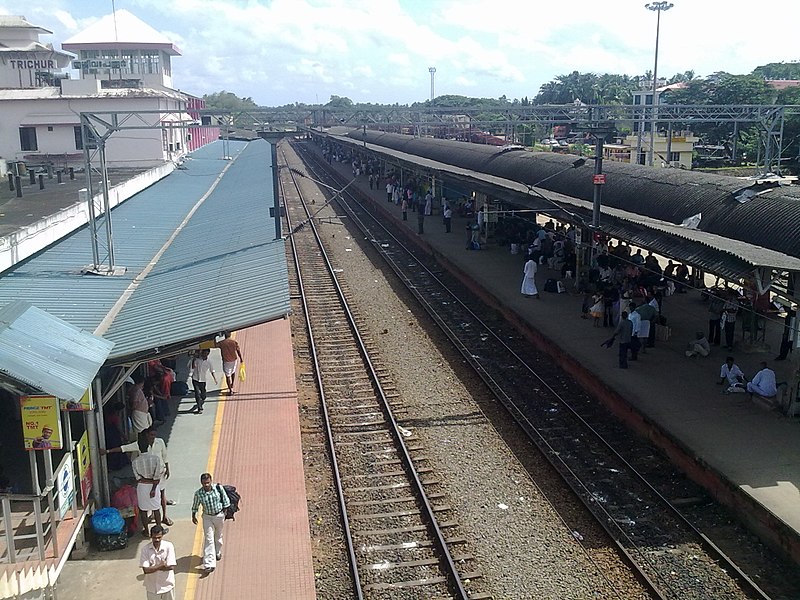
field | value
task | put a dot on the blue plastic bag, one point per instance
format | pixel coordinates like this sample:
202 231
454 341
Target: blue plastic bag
107 521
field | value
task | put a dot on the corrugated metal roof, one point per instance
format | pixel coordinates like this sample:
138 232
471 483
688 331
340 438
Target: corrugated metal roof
47 353
761 231
222 270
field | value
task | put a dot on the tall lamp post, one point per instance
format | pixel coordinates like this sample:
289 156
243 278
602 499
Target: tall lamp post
432 71
658 8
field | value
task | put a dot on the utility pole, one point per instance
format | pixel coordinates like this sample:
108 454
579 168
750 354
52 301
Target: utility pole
432 71
657 7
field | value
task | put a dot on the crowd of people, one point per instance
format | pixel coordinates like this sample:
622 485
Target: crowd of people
134 441
622 289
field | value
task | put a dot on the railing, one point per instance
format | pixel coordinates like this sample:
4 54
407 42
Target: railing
28 526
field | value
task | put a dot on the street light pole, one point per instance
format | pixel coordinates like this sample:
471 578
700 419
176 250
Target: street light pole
657 7
432 71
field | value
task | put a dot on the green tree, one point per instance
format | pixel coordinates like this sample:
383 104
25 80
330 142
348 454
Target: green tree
780 70
339 102
228 101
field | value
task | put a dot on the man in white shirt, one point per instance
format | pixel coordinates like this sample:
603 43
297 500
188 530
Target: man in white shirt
155 445
200 367
732 376
635 318
158 563
763 383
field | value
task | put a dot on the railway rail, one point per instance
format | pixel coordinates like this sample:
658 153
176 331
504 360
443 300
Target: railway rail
397 534
675 560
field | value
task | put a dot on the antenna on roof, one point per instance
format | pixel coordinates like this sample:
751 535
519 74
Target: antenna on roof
114 15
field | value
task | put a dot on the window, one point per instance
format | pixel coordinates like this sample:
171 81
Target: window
648 99
674 157
91 142
27 139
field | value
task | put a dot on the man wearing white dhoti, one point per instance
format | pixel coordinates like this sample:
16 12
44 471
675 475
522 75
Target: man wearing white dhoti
149 470
529 280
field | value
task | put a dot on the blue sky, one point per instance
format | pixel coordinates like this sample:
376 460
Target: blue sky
285 51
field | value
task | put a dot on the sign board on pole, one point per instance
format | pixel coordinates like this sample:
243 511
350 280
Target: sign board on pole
65 485
599 179
85 403
41 422
84 468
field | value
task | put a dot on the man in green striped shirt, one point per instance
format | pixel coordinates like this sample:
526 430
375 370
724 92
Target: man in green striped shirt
214 501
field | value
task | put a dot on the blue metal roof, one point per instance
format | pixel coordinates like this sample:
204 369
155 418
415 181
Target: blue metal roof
222 270
47 353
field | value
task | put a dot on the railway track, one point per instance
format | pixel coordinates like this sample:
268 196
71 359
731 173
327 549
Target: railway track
397 529
673 558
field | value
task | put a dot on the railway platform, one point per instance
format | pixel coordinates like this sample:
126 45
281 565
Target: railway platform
250 440
745 455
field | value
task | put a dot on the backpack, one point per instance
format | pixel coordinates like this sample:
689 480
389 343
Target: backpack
234 498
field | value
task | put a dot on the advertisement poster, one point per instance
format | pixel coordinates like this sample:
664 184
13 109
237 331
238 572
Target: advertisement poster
65 486
41 422
84 468
85 403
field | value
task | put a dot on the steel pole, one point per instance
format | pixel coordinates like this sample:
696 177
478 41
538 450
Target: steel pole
655 96
597 194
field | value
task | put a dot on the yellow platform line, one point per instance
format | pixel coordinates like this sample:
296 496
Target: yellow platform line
197 547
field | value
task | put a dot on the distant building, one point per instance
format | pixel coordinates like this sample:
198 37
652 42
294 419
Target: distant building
124 65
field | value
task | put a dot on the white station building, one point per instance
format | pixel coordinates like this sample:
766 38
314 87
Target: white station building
124 66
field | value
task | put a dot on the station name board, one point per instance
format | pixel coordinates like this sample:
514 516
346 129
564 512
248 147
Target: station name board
99 64
32 64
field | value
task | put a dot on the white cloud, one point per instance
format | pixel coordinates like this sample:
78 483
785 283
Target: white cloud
283 51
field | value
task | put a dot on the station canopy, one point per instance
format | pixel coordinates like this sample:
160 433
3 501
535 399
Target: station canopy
200 254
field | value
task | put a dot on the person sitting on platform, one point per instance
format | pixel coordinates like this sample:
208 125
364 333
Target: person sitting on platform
731 375
699 346
763 383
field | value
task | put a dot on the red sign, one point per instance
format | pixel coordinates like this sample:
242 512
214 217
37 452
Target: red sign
599 179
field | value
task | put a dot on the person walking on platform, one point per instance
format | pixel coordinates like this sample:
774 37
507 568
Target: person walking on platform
158 563
529 280
389 191
404 208
714 317
648 315
214 501
230 352
624 331
447 216
729 310
636 319
200 367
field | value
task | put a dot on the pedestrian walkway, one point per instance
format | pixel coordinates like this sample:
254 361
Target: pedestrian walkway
267 550
747 456
250 440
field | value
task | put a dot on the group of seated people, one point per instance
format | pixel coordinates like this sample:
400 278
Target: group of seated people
763 383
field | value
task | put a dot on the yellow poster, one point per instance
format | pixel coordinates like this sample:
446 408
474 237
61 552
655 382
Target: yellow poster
84 467
41 422
85 403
